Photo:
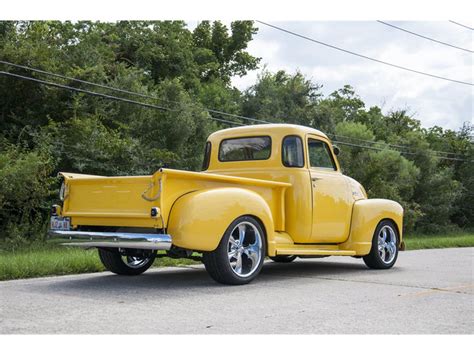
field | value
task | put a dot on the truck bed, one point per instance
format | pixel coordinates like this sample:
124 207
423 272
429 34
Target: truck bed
126 201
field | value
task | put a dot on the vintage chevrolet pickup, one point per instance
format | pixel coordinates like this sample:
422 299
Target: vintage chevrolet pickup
265 190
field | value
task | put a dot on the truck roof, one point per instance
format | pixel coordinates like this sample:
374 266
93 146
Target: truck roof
278 128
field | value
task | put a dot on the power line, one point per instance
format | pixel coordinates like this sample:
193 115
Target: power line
460 24
364 56
162 108
425 37
387 144
122 90
110 97
226 121
367 141
179 103
391 150
93 93
369 147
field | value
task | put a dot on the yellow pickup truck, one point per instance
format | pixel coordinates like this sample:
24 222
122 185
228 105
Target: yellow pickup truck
265 190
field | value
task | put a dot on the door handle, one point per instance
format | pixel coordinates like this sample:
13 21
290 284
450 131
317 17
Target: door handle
315 178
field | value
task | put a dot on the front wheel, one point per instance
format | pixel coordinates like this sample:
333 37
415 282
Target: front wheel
239 257
127 262
385 244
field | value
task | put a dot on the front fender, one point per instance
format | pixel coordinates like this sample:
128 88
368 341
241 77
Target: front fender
199 219
366 214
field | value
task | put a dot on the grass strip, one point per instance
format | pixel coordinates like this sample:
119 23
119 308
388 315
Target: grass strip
43 260
414 242
39 262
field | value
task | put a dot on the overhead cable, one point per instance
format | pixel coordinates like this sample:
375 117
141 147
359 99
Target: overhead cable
162 108
110 97
425 37
460 24
364 56
128 92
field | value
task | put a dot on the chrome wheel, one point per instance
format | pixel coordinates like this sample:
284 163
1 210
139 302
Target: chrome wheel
123 262
135 262
244 249
387 244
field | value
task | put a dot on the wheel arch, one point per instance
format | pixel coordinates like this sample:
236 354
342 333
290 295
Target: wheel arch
199 219
366 216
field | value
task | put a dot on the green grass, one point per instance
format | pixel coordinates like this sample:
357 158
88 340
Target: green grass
43 261
453 240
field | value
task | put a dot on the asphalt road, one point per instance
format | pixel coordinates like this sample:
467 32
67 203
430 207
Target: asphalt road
428 291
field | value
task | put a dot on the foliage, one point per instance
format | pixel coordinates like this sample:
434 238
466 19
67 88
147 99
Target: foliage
25 190
281 97
44 130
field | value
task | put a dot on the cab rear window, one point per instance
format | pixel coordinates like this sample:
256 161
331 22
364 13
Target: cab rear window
245 148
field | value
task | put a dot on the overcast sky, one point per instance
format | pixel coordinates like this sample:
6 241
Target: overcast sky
430 100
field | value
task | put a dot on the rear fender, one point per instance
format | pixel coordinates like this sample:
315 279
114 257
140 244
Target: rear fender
366 214
199 219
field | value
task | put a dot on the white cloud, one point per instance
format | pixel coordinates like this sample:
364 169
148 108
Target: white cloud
435 101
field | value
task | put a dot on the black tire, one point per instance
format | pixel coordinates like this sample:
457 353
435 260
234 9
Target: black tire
374 259
113 261
283 258
218 263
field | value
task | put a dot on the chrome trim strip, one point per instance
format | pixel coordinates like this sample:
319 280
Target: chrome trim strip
111 239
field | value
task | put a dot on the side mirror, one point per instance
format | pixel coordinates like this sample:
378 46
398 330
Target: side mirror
336 150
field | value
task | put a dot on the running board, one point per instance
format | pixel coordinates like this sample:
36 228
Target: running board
311 250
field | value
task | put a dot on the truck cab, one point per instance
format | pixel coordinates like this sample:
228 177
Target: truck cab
273 190
319 201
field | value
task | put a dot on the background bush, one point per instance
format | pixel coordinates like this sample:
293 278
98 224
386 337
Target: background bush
44 130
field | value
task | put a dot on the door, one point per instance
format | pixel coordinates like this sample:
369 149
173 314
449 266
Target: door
332 198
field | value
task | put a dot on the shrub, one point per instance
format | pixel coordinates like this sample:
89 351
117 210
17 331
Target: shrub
26 189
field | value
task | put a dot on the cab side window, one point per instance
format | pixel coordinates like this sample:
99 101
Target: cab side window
320 155
292 152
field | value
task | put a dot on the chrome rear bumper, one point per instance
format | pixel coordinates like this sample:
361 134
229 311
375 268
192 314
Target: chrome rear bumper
111 239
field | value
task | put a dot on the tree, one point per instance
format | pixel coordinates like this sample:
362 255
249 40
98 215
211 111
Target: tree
383 173
281 97
221 55
44 130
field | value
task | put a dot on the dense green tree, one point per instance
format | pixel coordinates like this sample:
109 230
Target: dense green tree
461 145
26 187
383 172
281 97
220 54
44 130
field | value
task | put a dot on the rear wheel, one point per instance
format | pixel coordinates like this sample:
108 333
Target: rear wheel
385 244
127 262
239 257
283 258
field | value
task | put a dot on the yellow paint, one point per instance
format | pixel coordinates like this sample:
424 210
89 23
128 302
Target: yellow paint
332 207
366 214
108 201
332 202
206 222
196 208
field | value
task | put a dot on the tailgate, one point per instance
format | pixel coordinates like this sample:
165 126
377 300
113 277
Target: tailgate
111 201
